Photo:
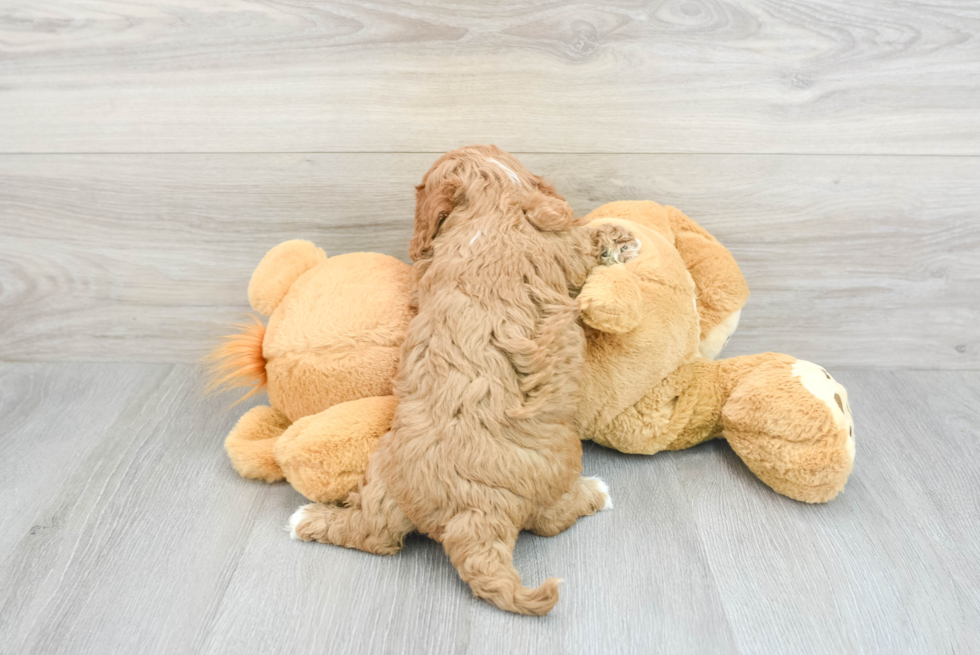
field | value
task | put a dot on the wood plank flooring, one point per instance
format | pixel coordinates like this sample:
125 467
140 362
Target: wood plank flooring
136 536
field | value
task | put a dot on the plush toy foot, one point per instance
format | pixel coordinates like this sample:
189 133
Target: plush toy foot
790 422
325 456
250 443
611 300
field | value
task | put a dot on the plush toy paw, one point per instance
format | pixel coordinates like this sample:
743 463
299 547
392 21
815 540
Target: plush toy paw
831 393
611 301
251 443
790 422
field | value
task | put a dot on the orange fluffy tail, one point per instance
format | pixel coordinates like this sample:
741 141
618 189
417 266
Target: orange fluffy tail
239 362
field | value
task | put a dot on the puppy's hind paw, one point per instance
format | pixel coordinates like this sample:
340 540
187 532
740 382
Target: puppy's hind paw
307 523
603 488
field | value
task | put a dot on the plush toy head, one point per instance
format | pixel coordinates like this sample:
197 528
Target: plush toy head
719 286
327 357
334 332
641 324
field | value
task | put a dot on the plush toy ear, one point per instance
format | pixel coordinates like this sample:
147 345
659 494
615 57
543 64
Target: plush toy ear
431 209
547 212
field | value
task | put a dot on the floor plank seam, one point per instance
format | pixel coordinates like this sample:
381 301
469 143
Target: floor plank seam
703 552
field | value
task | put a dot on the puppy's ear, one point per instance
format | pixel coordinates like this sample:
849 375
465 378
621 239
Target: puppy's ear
547 212
431 209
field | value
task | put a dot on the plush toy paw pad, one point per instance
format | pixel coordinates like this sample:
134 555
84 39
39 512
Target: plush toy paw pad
832 393
603 488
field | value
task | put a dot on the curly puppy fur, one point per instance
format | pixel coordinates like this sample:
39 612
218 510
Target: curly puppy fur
482 443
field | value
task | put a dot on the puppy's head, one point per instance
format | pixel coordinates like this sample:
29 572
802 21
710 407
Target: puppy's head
481 179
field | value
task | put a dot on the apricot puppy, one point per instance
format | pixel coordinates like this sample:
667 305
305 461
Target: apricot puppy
482 443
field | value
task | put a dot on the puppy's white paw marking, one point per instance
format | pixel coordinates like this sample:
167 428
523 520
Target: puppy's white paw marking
604 489
298 517
818 382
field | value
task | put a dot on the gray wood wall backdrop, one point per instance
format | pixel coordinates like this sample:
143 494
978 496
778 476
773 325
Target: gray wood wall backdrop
150 152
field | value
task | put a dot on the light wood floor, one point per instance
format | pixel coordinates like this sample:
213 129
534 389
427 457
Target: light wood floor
125 530
152 150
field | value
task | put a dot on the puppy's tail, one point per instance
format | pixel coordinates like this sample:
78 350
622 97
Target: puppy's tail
239 362
484 560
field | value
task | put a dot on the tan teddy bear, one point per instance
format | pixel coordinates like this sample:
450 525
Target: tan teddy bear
653 326
650 385
327 358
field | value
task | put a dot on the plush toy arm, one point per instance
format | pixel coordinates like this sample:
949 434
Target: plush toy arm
721 288
277 271
610 301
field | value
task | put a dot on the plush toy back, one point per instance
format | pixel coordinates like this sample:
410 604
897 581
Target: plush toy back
337 334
